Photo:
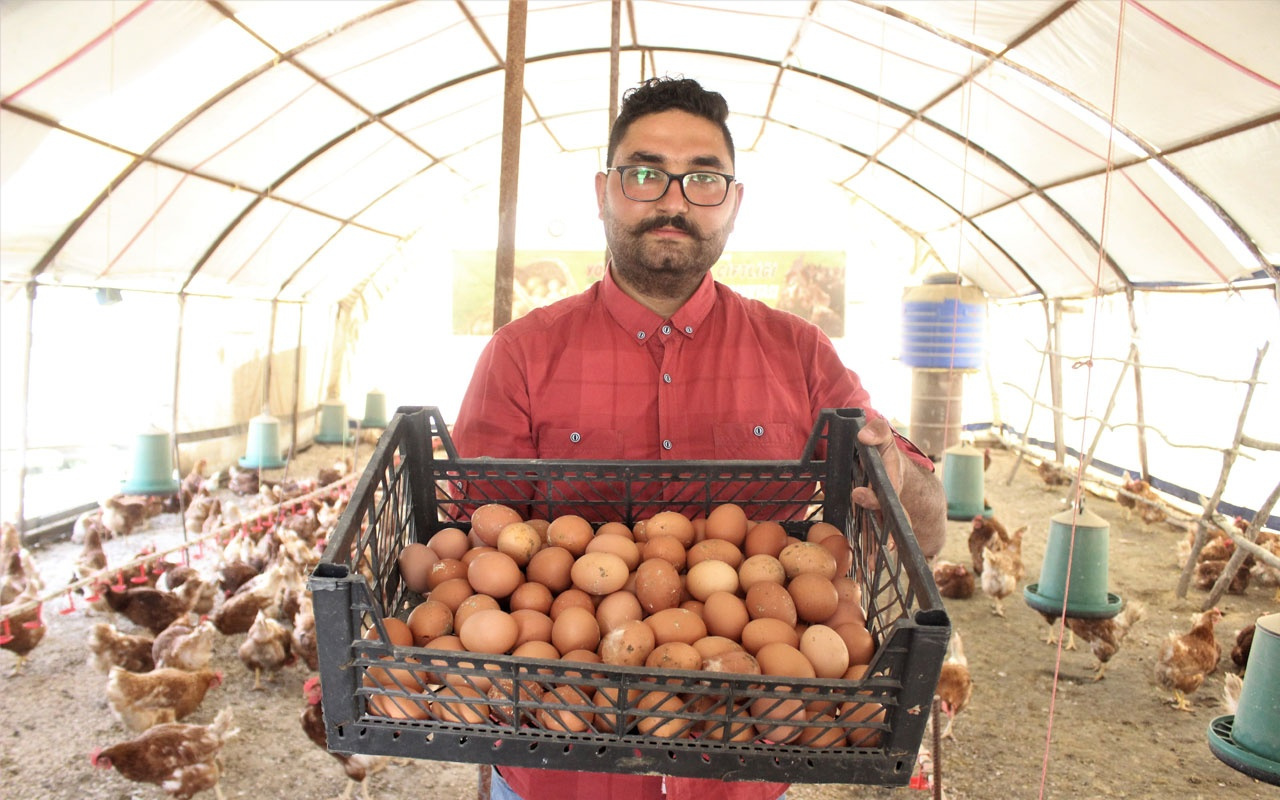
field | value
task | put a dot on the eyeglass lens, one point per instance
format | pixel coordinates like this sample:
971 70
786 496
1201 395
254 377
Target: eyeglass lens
647 184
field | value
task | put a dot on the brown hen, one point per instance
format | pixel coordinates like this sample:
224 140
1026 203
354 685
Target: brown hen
182 759
1185 659
142 700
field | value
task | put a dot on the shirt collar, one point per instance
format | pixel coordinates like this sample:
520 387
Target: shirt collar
640 323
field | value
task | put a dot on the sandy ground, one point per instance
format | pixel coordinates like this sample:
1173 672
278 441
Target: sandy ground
1038 725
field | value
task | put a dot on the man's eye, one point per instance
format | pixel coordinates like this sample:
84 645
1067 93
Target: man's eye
645 175
702 177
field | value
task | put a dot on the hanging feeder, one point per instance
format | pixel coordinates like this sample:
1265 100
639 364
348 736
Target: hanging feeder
1249 740
152 466
333 423
262 450
962 482
375 410
1084 585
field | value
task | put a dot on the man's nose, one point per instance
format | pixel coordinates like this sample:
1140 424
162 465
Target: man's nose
673 198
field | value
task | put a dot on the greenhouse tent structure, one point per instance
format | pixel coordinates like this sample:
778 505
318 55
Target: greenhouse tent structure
214 209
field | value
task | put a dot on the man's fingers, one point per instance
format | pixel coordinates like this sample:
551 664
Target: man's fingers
864 496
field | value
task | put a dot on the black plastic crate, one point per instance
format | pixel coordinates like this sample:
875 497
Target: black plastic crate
407 492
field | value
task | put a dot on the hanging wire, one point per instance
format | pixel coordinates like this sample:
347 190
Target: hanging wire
1087 364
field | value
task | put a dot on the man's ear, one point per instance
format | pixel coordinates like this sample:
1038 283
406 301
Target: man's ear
602 182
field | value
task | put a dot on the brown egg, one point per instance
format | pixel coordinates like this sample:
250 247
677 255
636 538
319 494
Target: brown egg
639 531
621 546
714 550
446 569
761 568
699 528
832 734
770 600
826 651
807 557
415 562
738 661
616 528
449 543
488 520
530 595
658 585
667 548
398 632
840 550
861 715
571 532
665 727
693 605
676 625
520 540
551 567
396 678
707 577
600 573
727 522
759 632
460 704
674 655
452 592
819 531
385 705
429 620
791 718
474 603
475 552
608 708
710 646
495 574
815 597
725 614
571 598
443 671
629 644
575 629
532 626
489 630
671 523
540 525
767 538
782 659
538 648
849 608
617 608
503 694
859 641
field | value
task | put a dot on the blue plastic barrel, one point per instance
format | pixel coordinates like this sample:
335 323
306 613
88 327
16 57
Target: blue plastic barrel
942 324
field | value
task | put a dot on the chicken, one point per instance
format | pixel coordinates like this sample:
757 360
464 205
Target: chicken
182 759
304 634
954 580
1243 644
340 469
1137 494
108 648
151 608
243 482
1208 571
123 514
1262 572
1185 659
263 591
184 647
19 565
1052 637
984 530
1105 635
23 623
268 647
955 685
86 521
357 766
91 561
191 484
1053 474
1232 685
142 700
1002 569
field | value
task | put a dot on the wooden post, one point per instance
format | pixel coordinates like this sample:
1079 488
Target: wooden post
504 267
1228 460
24 410
1139 404
1242 551
1055 382
1087 458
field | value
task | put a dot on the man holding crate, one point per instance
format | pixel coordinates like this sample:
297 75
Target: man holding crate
659 361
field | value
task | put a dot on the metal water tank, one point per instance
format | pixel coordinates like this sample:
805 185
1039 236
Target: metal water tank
942 338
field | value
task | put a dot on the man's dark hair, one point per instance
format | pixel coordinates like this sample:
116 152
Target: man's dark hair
669 94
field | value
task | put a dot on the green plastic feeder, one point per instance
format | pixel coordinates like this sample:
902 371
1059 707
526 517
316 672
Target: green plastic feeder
152 466
1249 740
1085 585
262 450
375 410
962 481
333 423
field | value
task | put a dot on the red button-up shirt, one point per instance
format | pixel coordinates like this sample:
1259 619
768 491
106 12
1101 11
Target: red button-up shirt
598 376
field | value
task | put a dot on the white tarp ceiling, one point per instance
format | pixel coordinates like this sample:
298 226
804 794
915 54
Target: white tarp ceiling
283 150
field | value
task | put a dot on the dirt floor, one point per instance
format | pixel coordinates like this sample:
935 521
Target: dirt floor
1037 727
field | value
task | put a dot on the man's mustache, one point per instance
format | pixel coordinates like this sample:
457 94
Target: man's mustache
679 222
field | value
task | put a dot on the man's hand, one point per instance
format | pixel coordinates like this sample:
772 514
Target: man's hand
879 435
917 488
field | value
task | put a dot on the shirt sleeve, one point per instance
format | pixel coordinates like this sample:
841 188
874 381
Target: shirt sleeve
494 419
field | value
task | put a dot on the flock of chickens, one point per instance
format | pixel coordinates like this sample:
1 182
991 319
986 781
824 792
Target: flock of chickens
1183 659
160 619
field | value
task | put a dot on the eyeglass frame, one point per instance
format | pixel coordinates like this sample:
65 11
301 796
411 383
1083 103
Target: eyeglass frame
729 179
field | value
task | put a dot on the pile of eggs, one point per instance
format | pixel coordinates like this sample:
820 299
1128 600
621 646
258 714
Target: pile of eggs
717 594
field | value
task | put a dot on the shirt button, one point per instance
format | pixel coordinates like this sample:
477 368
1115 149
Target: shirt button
640 335
666 377
666 329
666 444
575 437
688 329
757 430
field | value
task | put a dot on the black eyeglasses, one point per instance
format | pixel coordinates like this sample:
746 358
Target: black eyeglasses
647 184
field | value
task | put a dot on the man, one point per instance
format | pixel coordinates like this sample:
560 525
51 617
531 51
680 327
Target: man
659 361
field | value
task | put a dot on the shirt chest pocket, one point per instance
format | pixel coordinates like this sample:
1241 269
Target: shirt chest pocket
758 441
579 444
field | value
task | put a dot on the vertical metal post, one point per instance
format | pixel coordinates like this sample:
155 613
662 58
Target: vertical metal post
21 521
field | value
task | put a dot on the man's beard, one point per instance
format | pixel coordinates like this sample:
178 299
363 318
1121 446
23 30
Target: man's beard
663 269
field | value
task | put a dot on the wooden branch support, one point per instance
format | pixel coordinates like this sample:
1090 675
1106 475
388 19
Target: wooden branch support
1228 460
1246 545
1087 459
